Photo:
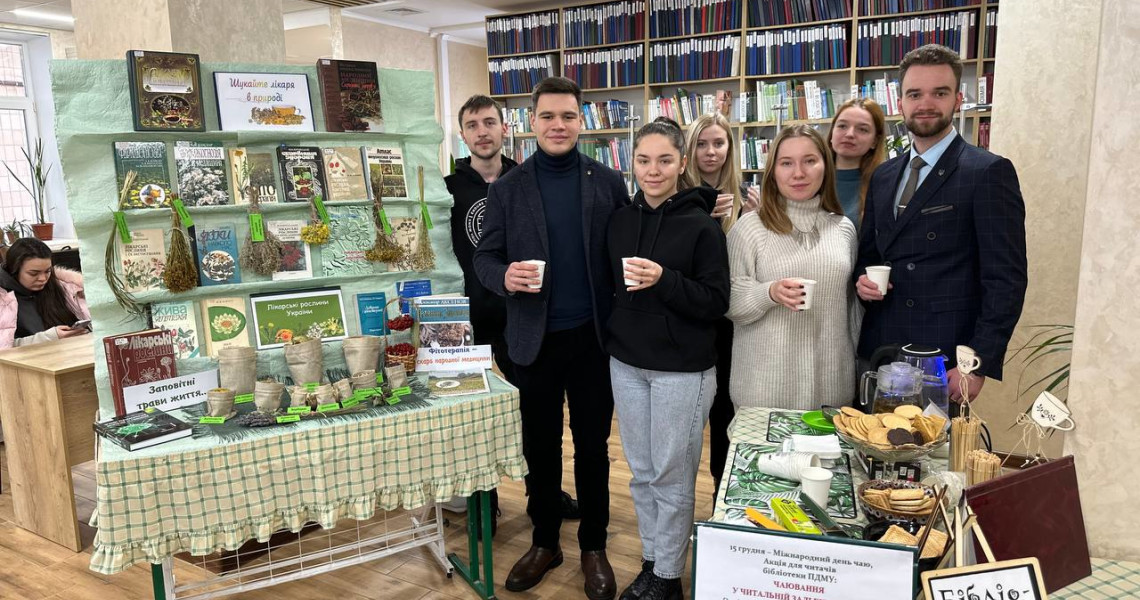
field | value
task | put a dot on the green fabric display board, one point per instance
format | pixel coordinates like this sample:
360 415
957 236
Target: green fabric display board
93 110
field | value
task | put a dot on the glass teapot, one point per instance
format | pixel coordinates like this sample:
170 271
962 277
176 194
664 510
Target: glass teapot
935 385
897 383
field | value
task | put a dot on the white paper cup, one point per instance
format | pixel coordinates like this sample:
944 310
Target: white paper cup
880 276
625 266
816 483
809 292
786 465
541 272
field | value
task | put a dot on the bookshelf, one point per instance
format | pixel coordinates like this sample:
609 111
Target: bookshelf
841 47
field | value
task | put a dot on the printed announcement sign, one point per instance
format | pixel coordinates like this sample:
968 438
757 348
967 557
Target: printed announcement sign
733 564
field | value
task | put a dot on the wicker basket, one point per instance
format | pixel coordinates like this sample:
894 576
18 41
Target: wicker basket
408 361
881 514
903 453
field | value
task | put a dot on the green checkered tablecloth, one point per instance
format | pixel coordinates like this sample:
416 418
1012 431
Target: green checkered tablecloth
184 496
1110 580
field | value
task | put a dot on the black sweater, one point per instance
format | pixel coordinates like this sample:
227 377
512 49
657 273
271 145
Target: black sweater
559 182
671 325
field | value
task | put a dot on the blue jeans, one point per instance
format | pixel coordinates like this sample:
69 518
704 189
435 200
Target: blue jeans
661 416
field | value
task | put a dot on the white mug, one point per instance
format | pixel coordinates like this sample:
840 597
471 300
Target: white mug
1049 412
968 360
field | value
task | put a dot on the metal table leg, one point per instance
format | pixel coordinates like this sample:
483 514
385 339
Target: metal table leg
478 504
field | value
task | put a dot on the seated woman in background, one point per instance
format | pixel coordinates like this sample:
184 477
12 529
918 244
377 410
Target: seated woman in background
38 302
858 141
798 357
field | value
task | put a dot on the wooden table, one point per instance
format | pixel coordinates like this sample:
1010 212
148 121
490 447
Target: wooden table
47 404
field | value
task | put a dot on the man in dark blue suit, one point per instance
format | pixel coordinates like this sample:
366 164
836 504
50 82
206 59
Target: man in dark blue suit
556 207
949 221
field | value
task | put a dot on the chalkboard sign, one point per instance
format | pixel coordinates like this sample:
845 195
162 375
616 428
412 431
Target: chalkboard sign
1006 580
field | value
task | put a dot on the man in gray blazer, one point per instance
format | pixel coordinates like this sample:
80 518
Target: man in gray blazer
555 207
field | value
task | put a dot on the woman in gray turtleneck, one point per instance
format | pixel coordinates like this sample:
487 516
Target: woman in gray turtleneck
786 356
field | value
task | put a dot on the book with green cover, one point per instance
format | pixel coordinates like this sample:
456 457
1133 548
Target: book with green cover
225 324
151 188
351 234
201 168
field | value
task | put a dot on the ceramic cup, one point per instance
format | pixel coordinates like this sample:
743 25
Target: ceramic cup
541 272
809 292
1049 412
816 483
968 360
880 276
624 267
786 465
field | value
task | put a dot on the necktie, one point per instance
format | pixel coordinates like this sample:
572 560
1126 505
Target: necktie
916 164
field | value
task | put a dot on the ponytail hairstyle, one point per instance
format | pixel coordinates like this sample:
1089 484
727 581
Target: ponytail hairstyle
664 126
51 302
728 181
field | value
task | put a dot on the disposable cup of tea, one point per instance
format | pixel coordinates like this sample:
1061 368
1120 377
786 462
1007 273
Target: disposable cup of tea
809 292
816 483
625 267
541 264
880 275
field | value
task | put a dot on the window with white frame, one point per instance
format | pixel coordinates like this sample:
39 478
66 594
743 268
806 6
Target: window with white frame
18 131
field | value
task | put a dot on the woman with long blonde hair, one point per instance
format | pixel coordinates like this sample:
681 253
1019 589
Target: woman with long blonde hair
797 243
858 142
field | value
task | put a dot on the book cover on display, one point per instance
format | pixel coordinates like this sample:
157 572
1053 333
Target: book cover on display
406 233
139 357
280 317
218 256
350 90
386 171
443 322
252 173
344 170
443 383
370 308
263 101
412 288
151 188
166 91
143 260
296 261
225 324
302 173
351 234
178 319
143 429
202 177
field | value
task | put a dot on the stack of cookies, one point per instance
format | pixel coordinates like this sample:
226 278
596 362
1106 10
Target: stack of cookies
909 502
906 426
935 541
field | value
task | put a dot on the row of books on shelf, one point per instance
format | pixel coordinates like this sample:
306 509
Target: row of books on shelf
986 89
522 33
520 75
691 59
754 152
611 114
990 48
886 42
610 67
885 92
887 7
669 18
611 152
611 23
799 100
766 13
984 135
340 173
796 50
683 107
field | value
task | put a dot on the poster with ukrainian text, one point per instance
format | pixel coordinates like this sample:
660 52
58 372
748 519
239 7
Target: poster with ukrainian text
263 101
281 318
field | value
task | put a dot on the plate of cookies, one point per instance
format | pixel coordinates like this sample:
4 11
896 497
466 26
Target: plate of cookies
884 499
905 434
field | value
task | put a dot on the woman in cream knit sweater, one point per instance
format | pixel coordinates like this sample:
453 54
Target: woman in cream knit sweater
786 356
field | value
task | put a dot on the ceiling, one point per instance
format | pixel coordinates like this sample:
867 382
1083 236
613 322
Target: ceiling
52 14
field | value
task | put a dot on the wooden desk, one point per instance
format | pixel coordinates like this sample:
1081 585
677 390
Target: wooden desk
47 404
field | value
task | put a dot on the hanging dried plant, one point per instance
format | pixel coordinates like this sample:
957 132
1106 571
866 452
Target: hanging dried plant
181 274
262 257
317 231
123 298
423 259
384 249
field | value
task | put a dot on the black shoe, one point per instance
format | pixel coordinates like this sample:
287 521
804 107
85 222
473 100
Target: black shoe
569 508
637 588
662 589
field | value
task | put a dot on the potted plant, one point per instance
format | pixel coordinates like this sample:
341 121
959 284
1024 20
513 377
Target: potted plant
14 230
42 228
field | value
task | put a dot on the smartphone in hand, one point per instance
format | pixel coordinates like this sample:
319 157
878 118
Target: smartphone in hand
82 324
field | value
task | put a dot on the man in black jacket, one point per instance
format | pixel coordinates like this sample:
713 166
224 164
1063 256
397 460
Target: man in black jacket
481 125
555 207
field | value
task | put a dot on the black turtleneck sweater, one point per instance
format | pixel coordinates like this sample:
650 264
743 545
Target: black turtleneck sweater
560 184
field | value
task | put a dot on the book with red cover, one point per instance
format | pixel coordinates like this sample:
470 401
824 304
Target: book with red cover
350 90
139 357
1036 512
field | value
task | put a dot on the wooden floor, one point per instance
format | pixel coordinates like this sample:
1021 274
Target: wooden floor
32 568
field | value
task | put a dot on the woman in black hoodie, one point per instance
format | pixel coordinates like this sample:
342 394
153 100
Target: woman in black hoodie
672 289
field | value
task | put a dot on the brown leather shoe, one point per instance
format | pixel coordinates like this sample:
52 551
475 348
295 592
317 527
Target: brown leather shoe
600 583
533 565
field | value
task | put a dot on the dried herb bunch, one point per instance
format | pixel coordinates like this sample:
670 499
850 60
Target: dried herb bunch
262 257
423 259
181 274
317 231
123 298
384 249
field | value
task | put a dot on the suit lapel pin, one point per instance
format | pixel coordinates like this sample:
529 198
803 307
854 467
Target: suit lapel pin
941 171
589 172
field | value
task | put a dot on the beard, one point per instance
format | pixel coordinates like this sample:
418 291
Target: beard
484 155
928 129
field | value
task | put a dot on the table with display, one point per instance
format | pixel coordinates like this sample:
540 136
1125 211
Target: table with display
203 494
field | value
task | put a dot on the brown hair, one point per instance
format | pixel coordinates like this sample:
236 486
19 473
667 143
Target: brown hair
932 54
878 152
556 85
672 132
479 102
51 302
728 182
773 207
